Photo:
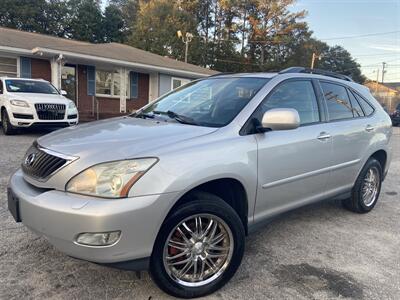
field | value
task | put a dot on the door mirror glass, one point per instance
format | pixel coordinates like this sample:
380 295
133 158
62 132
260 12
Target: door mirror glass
280 119
64 93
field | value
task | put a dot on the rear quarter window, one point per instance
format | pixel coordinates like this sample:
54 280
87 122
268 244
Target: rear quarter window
367 108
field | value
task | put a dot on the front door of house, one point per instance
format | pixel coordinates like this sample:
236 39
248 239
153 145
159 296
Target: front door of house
68 81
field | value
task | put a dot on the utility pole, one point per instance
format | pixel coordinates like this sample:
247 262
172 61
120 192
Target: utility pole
383 70
314 57
186 40
377 79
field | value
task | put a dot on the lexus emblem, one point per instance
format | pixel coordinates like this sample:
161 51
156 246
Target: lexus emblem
30 159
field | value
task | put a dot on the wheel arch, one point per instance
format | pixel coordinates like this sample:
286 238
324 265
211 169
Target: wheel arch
230 190
381 157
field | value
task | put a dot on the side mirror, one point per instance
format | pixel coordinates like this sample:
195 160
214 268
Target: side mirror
64 93
280 119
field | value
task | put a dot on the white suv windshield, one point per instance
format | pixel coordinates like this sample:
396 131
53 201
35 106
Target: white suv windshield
30 86
212 102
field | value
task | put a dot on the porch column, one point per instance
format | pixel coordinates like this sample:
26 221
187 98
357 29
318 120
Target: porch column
55 65
124 82
153 86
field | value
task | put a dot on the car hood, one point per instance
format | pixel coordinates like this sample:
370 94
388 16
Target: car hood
39 98
120 138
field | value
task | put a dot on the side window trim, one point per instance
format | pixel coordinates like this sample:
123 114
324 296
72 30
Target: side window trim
342 85
245 130
323 110
1 87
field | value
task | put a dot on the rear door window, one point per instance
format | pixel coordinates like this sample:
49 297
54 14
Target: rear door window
337 100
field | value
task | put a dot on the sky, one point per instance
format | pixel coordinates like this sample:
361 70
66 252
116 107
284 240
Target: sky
338 22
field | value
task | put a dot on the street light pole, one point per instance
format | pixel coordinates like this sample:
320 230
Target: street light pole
186 40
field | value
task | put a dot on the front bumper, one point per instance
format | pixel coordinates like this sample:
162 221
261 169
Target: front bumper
27 117
61 216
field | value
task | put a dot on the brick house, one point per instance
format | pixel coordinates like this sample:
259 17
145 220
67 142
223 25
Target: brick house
388 94
104 80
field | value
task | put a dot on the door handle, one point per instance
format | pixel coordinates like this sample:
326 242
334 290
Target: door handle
324 136
369 128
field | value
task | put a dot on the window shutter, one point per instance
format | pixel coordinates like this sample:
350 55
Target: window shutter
26 67
91 80
134 84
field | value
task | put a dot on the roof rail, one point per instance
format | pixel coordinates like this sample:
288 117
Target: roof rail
316 71
222 73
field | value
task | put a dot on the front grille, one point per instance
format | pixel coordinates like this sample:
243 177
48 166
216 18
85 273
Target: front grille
40 164
50 111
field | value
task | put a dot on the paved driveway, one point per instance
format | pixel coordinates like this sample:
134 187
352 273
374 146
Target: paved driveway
319 252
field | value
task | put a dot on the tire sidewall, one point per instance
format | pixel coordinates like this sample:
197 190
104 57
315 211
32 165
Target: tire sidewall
357 193
5 120
216 207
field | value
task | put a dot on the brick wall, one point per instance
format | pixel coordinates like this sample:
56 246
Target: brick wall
41 69
108 107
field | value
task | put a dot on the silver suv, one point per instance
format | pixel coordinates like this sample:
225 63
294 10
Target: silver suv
177 186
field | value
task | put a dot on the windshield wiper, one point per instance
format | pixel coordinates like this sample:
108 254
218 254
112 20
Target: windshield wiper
143 115
180 118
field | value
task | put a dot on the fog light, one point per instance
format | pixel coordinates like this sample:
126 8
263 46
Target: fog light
98 238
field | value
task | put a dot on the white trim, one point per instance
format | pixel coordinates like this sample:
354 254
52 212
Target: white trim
14 50
182 80
39 50
108 96
112 71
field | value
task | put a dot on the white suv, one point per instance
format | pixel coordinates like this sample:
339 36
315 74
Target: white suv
34 102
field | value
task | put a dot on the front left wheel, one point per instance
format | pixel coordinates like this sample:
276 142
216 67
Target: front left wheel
199 247
8 129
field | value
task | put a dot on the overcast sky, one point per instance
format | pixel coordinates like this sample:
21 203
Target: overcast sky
330 19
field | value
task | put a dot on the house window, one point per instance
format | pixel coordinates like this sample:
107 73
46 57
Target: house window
108 83
177 82
8 67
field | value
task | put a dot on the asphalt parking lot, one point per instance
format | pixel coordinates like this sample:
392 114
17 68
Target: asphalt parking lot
317 252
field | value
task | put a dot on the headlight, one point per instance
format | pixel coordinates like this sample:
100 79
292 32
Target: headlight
21 103
110 180
71 105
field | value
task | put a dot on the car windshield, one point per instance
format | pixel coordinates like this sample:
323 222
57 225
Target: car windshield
30 86
212 102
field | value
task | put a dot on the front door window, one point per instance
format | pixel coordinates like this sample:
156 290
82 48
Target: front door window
68 81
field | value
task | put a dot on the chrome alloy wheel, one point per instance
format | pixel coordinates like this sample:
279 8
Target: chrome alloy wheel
370 187
198 250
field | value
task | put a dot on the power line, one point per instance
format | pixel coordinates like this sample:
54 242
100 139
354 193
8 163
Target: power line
360 36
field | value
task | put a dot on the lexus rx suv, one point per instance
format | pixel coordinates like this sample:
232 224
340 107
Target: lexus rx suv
33 102
175 187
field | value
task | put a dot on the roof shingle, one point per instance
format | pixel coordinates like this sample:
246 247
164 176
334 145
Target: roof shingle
28 40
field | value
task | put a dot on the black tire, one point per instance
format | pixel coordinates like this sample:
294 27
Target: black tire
200 203
8 129
356 202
